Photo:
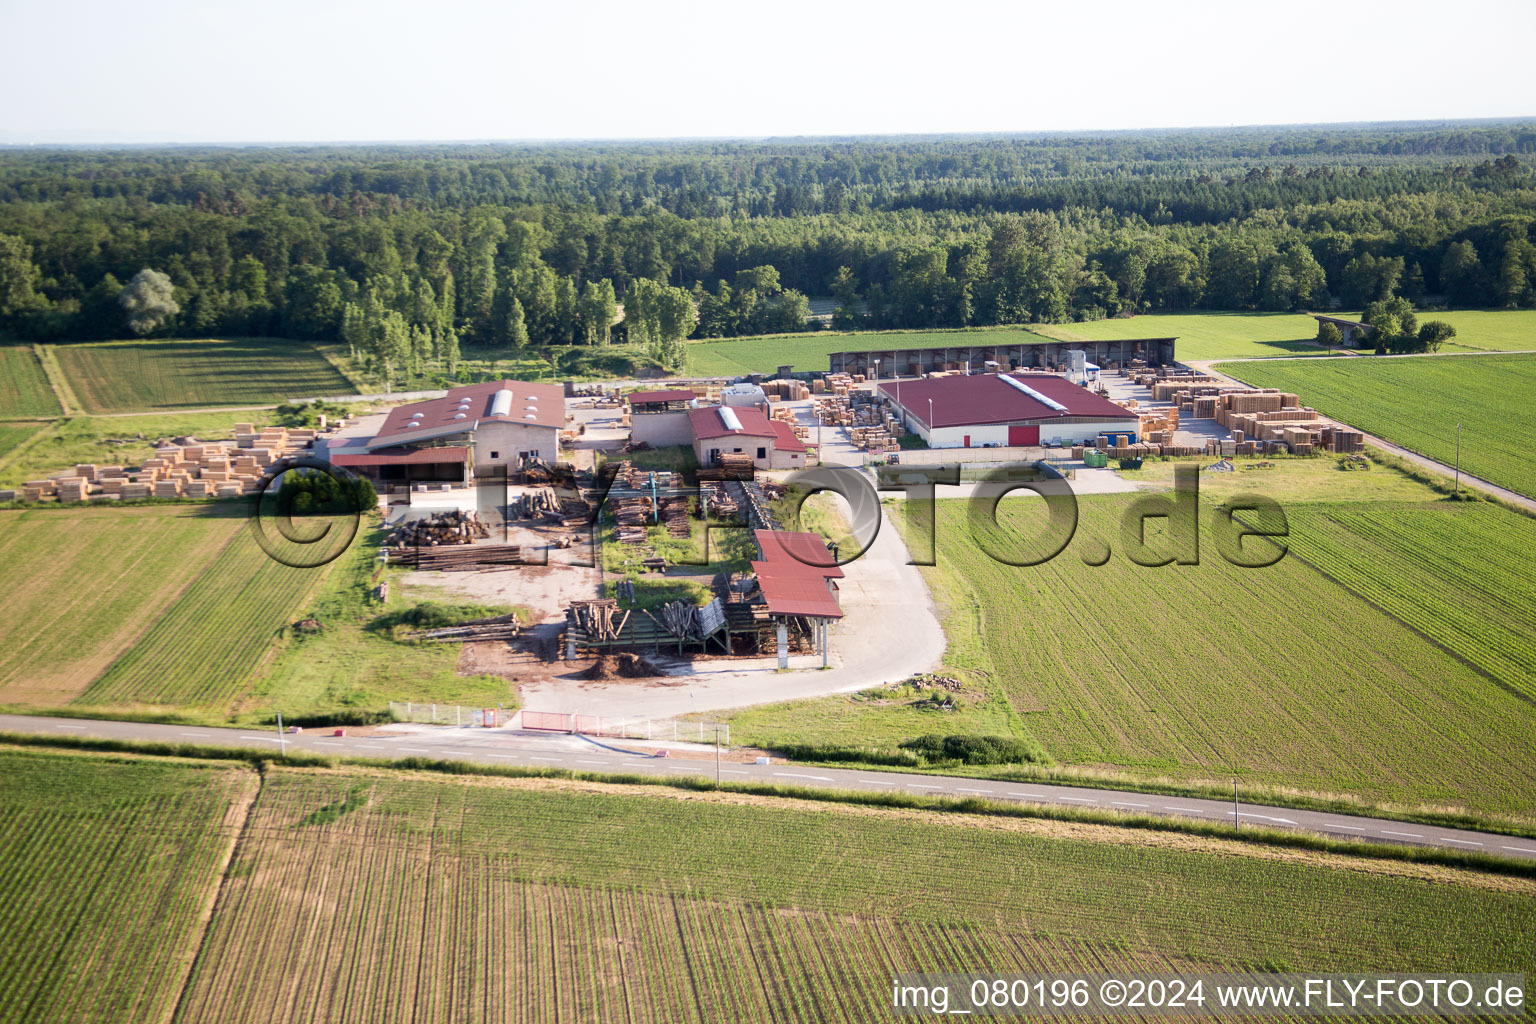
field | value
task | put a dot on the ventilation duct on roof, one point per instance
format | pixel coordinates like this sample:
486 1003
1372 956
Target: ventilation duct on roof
501 403
730 419
1032 393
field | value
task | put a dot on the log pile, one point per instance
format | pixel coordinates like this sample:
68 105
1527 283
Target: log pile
451 527
718 503
681 618
460 558
502 627
537 504
599 620
632 516
674 515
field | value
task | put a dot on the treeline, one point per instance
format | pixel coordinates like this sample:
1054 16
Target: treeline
404 251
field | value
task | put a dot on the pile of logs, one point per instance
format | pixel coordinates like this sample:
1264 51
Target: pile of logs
718 503
575 512
674 515
632 516
597 618
536 504
452 527
461 558
681 618
502 627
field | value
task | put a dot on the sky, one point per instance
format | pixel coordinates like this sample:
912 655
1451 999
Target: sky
103 71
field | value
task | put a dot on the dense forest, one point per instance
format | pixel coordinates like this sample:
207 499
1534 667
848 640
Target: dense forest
403 250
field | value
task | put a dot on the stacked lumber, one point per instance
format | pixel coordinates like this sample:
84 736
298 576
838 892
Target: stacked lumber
782 390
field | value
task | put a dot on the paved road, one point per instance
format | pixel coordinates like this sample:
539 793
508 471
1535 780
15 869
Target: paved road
515 747
1422 461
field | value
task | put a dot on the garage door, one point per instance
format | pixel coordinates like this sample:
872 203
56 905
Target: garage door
1019 437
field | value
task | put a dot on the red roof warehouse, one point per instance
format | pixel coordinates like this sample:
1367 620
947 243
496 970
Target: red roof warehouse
986 410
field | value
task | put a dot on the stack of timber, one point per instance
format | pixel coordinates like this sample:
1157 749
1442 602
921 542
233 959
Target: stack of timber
180 467
599 620
674 515
632 516
502 627
681 618
541 503
451 527
460 558
718 503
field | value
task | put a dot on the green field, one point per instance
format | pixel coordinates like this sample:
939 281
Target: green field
175 608
106 868
82 584
1259 335
127 376
1205 335
1417 401
1489 330
14 435
738 356
24 389
366 895
1386 659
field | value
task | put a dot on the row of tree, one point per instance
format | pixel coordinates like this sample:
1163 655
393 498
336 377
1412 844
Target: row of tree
347 245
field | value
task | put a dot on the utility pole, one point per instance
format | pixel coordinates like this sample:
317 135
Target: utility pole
282 741
1237 825
1458 460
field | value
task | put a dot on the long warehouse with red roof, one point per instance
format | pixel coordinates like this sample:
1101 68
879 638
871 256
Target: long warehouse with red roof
1005 409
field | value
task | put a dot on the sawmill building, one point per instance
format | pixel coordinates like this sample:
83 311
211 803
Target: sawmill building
474 431
720 430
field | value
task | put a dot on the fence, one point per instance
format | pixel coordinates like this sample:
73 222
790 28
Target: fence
446 714
628 728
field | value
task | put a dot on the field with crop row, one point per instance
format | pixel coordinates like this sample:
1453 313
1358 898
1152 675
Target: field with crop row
106 866
1277 674
737 356
123 376
83 583
1463 575
1417 401
1205 335
205 646
1260 335
24 389
13 435
362 896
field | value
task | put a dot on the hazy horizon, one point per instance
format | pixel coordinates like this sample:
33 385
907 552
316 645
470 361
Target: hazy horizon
341 72
277 143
